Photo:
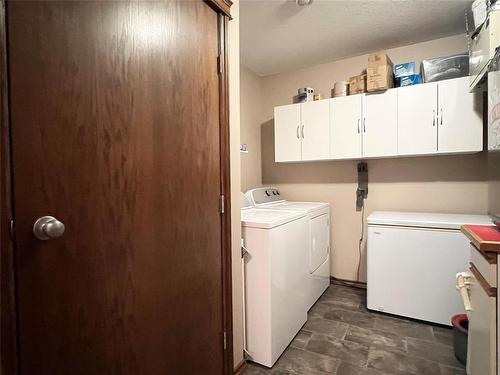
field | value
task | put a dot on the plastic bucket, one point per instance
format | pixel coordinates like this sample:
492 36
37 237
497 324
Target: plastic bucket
460 325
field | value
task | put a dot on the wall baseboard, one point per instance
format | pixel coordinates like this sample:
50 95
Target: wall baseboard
354 284
240 369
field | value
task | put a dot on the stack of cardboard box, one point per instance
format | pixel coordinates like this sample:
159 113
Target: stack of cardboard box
379 73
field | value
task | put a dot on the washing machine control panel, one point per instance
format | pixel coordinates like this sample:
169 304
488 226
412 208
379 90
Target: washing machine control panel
264 195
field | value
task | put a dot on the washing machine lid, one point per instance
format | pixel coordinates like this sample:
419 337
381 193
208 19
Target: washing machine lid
267 219
426 220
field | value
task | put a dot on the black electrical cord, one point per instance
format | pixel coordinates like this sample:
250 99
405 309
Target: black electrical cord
361 238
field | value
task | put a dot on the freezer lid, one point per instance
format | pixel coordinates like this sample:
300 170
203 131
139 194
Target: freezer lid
426 220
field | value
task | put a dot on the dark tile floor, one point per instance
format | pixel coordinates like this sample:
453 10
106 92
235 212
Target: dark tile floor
342 337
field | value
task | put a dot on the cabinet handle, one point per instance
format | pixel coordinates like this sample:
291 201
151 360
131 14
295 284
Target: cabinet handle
297 131
358 126
441 116
303 131
433 117
364 124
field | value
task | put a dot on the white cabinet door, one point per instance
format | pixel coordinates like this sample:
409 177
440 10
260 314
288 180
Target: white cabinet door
287 142
345 127
460 117
380 124
315 130
417 123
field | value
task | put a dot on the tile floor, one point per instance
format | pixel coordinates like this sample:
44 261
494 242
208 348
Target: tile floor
342 337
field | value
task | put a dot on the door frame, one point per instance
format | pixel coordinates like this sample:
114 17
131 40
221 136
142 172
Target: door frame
9 355
222 7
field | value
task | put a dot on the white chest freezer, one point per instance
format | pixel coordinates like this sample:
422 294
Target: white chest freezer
412 260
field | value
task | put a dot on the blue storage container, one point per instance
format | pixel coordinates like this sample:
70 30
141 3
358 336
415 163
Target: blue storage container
412 79
405 69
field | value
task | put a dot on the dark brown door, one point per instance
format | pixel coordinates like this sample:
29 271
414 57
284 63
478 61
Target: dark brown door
115 132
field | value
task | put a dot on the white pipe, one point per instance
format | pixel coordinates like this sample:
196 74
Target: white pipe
462 285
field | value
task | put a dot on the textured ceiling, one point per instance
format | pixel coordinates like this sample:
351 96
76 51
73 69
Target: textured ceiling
278 36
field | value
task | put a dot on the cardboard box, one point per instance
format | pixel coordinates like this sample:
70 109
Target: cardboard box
378 59
412 79
405 69
379 73
357 84
380 78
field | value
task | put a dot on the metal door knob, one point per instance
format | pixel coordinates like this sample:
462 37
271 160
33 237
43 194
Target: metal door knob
48 227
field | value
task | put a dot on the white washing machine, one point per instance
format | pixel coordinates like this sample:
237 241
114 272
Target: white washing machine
318 237
275 280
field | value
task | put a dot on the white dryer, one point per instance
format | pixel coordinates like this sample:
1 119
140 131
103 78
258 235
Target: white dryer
275 280
318 237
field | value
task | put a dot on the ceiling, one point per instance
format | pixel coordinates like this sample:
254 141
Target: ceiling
278 35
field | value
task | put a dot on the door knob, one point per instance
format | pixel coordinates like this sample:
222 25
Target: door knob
47 228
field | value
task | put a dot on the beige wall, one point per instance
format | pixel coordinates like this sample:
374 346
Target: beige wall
494 183
234 123
251 115
433 184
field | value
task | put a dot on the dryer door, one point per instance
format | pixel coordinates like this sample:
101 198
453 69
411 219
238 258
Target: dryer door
320 241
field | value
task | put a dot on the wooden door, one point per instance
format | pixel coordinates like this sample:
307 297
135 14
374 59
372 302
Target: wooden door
460 122
345 127
315 131
287 138
380 124
116 131
417 119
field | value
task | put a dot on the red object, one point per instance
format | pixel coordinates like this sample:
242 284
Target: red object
460 322
485 238
486 232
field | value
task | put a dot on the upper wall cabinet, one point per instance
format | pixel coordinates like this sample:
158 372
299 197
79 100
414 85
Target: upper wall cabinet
345 127
315 130
460 127
302 131
431 118
364 126
417 119
380 124
287 139
440 117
